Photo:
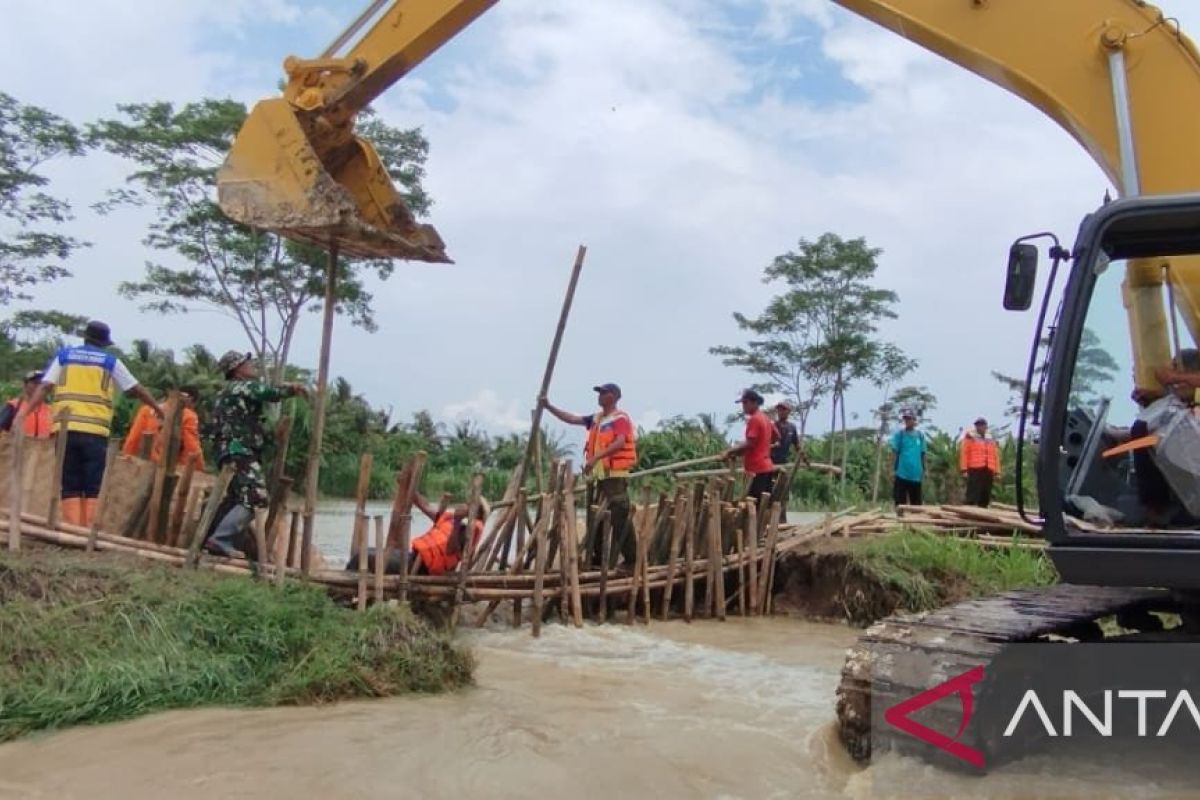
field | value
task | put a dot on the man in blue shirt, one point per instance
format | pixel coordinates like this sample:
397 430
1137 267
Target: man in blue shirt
909 447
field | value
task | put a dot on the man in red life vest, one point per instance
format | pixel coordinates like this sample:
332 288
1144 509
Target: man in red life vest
609 455
755 449
439 549
38 422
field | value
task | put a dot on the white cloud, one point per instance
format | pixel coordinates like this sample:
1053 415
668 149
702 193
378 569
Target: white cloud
636 129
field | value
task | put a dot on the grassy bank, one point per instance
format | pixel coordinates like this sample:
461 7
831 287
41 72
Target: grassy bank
95 639
928 570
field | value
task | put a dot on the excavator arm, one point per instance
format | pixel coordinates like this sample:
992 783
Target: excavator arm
296 166
1117 76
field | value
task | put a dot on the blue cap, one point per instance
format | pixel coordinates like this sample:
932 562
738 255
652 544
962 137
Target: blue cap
608 387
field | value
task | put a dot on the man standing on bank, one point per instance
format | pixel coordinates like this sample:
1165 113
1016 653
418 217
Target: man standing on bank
239 439
609 454
908 445
979 461
755 449
85 379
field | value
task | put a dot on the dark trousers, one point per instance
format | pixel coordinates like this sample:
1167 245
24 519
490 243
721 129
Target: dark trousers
906 493
760 485
1152 488
979 487
624 542
83 464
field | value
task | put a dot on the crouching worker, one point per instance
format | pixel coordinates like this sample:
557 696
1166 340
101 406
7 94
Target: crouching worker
439 549
239 439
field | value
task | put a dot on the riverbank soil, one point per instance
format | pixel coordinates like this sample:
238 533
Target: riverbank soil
102 637
861 581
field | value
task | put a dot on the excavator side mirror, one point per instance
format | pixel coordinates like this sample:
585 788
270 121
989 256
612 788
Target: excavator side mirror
1021 278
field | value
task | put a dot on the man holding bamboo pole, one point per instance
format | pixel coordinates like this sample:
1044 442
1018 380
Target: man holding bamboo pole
755 449
610 452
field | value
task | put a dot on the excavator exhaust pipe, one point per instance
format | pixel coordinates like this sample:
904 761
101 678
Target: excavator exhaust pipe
274 179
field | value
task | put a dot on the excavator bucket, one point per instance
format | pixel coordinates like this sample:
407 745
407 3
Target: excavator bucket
274 179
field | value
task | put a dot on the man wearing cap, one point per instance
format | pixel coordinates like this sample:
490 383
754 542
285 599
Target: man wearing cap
38 422
85 378
781 453
239 439
755 449
908 445
144 422
609 454
979 461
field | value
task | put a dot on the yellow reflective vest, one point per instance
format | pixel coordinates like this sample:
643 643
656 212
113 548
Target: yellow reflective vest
86 389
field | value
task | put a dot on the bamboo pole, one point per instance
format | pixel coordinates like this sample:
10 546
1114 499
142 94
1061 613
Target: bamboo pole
716 576
360 540
643 558
146 446
167 449
313 473
179 508
278 508
110 457
380 557
764 597
752 552
678 526
740 531
210 512
689 553
275 481
539 574
293 557
468 546
518 478
518 562
400 523
16 487
60 456
571 549
260 544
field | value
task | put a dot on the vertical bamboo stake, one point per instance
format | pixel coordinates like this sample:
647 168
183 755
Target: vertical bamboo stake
275 511
318 412
146 446
539 575
260 544
182 495
400 523
275 481
360 539
293 557
16 488
468 547
638 521
114 448
166 438
210 512
60 455
689 553
715 566
380 558
643 558
678 525
752 548
604 518
739 534
518 561
571 546
769 559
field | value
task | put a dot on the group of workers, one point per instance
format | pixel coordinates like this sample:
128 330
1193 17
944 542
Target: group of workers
978 462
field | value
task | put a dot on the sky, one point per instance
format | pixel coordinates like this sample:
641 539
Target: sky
686 143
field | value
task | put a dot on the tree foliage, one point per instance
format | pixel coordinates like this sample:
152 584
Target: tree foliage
33 247
259 279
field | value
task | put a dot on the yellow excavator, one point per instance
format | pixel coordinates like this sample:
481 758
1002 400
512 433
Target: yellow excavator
1117 76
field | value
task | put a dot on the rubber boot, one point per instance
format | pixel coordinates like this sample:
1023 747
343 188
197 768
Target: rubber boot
72 510
89 510
229 532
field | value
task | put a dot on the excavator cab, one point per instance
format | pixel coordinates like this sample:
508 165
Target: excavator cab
1118 462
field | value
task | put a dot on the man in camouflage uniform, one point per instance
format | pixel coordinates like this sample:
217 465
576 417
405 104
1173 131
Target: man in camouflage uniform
239 438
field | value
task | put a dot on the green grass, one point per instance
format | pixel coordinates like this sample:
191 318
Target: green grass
96 639
928 570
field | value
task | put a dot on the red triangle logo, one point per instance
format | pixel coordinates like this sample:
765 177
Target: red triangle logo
898 715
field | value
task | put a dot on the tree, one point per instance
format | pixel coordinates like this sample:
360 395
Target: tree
32 250
820 334
1094 367
259 279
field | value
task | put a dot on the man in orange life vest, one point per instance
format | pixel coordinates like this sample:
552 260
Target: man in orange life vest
979 461
85 379
439 549
145 422
609 455
38 422
755 449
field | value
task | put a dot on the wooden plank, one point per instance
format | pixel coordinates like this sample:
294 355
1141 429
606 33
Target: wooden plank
106 489
168 447
210 512
362 524
60 456
182 495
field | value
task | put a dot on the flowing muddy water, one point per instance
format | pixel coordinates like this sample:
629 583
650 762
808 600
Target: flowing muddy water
742 709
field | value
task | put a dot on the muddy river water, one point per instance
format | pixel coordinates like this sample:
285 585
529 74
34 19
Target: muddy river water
742 709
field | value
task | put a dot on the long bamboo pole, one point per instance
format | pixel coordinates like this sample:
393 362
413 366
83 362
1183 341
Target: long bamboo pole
318 411
60 456
16 487
110 457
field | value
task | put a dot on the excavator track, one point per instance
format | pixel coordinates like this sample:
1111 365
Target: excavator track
906 654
